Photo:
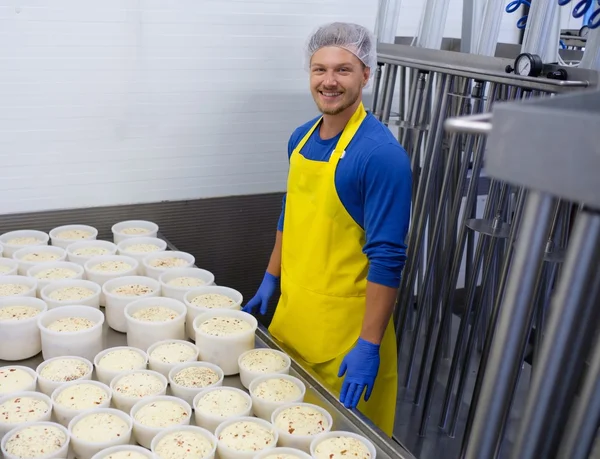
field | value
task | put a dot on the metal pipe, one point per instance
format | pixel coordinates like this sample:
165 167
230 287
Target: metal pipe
572 322
513 330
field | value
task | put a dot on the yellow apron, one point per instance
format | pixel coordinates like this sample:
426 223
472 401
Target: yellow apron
324 279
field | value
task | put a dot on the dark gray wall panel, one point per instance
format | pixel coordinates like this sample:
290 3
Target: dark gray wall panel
229 236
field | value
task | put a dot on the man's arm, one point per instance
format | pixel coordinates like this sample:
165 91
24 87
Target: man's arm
380 306
274 266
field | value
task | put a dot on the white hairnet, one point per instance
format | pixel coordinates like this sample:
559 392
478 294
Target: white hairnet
352 37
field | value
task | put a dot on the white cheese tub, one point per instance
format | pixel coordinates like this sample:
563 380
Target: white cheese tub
144 433
194 310
133 228
46 273
20 339
62 370
215 405
284 451
84 448
27 238
64 413
63 236
17 286
85 343
156 264
184 389
157 442
140 247
157 385
28 257
106 375
71 293
130 450
164 355
176 282
80 252
225 350
34 430
264 360
266 429
124 266
43 415
262 406
17 378
336 434
301 442
115 303
144 333
8 267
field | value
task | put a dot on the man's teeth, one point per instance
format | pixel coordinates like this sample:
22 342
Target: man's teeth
331 94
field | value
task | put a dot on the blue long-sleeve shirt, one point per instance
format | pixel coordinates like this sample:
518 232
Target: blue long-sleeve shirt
373 181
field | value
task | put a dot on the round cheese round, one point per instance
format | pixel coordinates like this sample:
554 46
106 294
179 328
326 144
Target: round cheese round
100 427
155 314
263 361
173 353
122 360
70 294
138 385
212 301
18 313
56 273
125 455
90 251
11 289
73 234
161 413
133 290
40 257
142 248
63 370
168 262
196 377
222 403
35 441
184 444
112 266
224 326
14 380
186 282
301 420
70 324
277 390
17 410
134 230
247 436
81 396
342 448
23 241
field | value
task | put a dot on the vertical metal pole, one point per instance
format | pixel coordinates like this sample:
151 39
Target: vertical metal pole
513 330
572 322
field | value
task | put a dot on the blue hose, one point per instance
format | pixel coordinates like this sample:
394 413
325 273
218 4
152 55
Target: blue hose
515 5
583 9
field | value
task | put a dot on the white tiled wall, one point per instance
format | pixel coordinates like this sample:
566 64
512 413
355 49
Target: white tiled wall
123 101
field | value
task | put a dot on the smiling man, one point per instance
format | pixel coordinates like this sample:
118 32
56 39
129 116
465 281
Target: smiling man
339 249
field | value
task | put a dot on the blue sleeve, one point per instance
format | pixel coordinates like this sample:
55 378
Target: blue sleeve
291 145
387 192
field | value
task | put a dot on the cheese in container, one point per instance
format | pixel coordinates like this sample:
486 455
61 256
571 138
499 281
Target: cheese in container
188 379
75 397
106 267
23 407
176 282
53 373
80 252
209 298
133 228
47 273
71 292
63 236
44 440
184 441
16 240
244 437
28 257
20 336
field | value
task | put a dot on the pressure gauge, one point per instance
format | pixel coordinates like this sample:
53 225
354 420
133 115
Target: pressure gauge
527 64
584 31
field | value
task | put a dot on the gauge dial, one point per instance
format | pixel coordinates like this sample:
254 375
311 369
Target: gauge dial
527 64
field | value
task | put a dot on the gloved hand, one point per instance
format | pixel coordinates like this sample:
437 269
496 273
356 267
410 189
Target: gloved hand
263 294
361 365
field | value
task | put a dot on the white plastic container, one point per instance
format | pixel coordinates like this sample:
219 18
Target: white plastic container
85 449
25 265
101 277
283 451
106 375
84 343
58 240
225 452
188 393
28 282
224 351
125 402
8 267
324 436
74 255
127 247
115 304
120 229
6 427
24 387
155 271
194 310
64 414
10 249
264 408
48 386
39 268
20 339
192 429
92 301
165 367
143 334
247 375
144 434
301 442
211 421
131 449
59 453
178 292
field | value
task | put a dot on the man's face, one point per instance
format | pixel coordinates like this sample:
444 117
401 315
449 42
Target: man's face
336 79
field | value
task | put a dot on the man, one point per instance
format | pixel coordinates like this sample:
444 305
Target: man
339 247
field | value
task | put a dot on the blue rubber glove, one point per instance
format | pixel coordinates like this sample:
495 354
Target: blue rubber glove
263 294
361 365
